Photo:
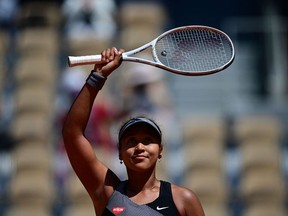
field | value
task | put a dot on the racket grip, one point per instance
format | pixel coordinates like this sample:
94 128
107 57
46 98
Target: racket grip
84 60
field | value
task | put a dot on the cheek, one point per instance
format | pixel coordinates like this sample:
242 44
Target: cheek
154 150
124 153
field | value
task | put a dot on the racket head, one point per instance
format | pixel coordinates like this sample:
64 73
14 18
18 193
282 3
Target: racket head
193 50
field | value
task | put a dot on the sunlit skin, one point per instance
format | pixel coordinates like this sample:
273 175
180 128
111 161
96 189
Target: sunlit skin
139 148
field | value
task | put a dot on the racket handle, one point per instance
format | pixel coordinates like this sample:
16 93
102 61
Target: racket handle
84 60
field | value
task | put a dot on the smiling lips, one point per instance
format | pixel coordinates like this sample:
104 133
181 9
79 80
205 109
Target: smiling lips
139 156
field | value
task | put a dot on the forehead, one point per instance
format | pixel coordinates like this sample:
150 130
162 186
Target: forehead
140 129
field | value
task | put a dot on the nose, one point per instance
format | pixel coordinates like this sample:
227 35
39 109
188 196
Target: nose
139 146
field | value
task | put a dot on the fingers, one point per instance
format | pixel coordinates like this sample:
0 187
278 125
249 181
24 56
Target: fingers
110 54
111 59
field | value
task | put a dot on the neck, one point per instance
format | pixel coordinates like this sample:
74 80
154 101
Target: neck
142 182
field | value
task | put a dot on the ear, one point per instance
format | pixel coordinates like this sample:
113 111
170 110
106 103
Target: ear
160 152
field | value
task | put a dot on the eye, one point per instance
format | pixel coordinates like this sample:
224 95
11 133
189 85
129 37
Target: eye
147 140
131 141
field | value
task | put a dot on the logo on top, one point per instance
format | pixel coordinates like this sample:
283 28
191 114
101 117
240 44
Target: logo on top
118 210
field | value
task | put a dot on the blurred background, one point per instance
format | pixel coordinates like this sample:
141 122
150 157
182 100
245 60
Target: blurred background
225 135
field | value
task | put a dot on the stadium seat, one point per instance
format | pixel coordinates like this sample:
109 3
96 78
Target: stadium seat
204 155
79 209
211 128
132 37
150 14
260 155
210 186
32 187
265 209
215 210
31 126
31 14
28 210
262 186
75 191
28 100
257 127
32 70
38 41
32 156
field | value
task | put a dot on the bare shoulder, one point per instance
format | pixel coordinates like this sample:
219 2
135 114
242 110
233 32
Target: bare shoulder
186 201
183 193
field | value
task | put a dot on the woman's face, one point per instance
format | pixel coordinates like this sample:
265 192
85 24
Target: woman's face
140 148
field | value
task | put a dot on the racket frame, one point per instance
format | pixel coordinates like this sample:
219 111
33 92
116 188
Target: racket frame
129 55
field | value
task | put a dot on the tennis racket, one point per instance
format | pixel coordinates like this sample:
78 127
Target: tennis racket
188 50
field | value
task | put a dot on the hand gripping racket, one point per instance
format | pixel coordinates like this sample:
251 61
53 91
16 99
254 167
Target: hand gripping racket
188 50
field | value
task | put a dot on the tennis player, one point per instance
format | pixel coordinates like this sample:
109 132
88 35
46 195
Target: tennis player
140 147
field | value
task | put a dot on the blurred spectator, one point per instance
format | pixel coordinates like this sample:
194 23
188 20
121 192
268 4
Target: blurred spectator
145 91
89 19
8 11
6 145
6 141
72 81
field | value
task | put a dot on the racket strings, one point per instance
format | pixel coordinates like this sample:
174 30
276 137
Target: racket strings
194 50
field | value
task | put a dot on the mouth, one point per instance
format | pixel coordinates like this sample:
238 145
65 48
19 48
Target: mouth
139 156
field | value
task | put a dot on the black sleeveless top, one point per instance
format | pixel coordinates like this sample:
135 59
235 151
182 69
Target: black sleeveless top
120 204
